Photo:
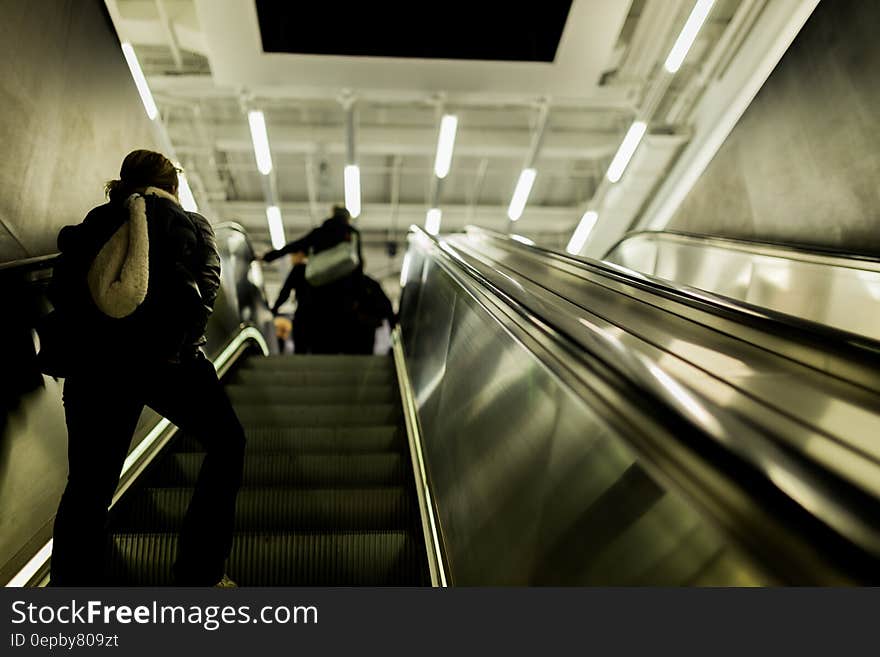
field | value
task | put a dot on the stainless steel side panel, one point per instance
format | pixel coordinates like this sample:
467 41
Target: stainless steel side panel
533 486
840 292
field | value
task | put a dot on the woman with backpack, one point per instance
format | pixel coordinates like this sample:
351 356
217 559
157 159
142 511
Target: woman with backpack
133 290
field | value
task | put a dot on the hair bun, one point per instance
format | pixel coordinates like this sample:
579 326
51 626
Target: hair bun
143 168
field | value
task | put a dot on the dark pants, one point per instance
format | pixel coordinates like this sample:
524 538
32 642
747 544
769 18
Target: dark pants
102 410
302 331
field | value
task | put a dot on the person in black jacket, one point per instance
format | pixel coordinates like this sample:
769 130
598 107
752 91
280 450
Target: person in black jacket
337 228
332 307
372 308
150 356
302 320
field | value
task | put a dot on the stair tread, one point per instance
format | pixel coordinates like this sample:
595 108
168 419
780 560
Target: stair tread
327 496
374 558
326 395
275 414
333 364
280 508
311 439
285 467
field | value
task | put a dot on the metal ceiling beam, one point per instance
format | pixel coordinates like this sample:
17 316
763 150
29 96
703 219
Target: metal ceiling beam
151 32
538 134
312 188
213 183
612 98
395 188
651 39
478 187
377 216
569 170
405 140
350 130
168 28
731 39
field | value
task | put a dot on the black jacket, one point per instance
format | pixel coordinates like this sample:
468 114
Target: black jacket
184 280
330 233
295 282
374 306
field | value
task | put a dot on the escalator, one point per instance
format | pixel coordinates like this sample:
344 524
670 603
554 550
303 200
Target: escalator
620 429
545 420
328 497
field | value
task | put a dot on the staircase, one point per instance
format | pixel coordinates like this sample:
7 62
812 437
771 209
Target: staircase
328 496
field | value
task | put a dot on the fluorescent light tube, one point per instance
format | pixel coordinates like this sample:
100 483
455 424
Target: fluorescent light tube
688 34
352 175
521 194
445 143
140 81
432 221
582 232
261 141
276 226
184 193
627 148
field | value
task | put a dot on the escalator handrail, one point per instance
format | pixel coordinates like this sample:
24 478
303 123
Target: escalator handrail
25 264
238 228
852 346
47 260
762 454
435 544
780 249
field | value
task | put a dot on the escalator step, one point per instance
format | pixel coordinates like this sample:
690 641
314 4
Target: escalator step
279 509
287 468
327 495
393 558
322 363
344 440
312 415
280 377
311 394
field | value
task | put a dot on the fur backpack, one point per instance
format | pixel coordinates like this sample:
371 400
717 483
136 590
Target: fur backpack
120 273
95 284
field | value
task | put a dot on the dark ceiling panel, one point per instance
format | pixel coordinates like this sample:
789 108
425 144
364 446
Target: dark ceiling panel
453 29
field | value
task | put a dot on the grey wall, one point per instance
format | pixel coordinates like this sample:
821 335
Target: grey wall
69 112
803 164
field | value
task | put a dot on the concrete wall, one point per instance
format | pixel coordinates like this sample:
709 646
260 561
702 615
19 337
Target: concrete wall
803 163
69 112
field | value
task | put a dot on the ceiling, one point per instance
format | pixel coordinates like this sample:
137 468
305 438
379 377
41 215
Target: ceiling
206 66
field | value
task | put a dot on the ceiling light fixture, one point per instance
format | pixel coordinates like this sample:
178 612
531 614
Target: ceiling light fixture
521 194
445 144
353 189
184 192
260 138
140 81
627 149
432 221
276 226
582 232
688 34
